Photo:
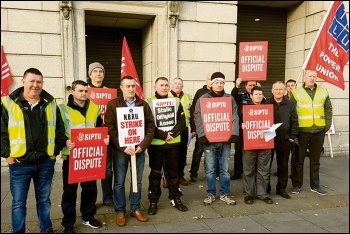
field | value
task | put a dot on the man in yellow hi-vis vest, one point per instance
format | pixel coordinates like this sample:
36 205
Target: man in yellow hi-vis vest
186 102
170 122
32 135
78 112
314 110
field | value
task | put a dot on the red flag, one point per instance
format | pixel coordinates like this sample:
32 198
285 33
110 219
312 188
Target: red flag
330 50
6 77
128 68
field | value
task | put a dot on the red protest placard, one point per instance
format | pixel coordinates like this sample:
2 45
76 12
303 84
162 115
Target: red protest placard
216 116
257 119
101 97
87 160
253 60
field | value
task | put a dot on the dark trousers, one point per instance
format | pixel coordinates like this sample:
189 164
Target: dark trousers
313 142
196 159
182 156
69 198
183 153
238 163
282 150
156 157
107 182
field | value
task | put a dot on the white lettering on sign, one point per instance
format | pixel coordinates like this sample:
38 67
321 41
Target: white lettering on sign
216 117
103 96
87 152
257 124
92 136
256 134
218 104
217 127
87 164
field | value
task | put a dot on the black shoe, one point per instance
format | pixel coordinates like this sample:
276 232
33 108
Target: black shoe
153 208
283 194
193 179
235 177
94 223
249 200
267 200
69 230
178 204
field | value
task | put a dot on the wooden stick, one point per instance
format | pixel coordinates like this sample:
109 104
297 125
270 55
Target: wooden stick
330 144
133 172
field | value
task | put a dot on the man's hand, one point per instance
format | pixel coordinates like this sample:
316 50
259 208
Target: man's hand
70 145
138 150
130 150
169 136
10 160
238 82
106 140
194 134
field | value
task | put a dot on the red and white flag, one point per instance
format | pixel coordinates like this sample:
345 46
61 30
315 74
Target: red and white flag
128 68
6 77
330 50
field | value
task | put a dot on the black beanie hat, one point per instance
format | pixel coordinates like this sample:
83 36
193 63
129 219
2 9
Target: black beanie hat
217 76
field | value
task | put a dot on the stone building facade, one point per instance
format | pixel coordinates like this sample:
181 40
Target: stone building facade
186 39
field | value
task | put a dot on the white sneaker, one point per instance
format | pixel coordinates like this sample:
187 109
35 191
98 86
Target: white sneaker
209 200
226 199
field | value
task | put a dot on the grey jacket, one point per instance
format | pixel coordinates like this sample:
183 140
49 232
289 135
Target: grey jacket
199 122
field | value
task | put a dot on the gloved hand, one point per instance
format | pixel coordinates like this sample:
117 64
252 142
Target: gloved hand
203 140
233 139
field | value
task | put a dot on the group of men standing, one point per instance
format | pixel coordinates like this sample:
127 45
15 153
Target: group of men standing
35 129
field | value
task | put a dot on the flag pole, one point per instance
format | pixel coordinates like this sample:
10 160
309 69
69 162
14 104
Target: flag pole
318 34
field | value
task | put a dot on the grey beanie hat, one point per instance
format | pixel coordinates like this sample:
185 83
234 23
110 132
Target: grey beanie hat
94 65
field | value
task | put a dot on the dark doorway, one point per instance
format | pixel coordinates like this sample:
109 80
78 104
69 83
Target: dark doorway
104 45
271 27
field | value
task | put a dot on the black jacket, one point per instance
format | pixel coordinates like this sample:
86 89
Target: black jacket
179 127
198 94
285 113
36 148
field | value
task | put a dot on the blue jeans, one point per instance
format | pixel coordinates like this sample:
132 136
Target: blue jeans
120 166
20 179
106 183
217 153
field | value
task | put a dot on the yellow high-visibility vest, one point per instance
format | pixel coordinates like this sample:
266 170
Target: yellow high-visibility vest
16 128
310 111
186 102
74 119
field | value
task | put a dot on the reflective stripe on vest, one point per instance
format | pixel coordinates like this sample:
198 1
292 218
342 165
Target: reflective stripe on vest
310 111
186 102
156 141
16 128
74 119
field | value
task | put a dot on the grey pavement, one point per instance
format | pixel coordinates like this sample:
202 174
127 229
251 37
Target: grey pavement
306 212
